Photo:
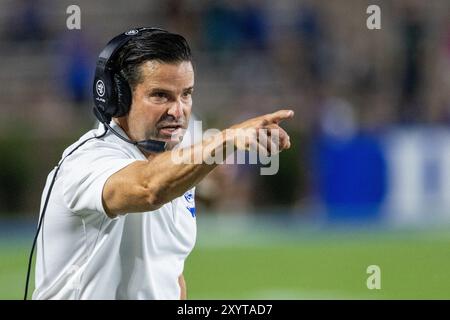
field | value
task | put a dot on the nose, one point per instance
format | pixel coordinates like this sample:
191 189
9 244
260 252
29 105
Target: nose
176 110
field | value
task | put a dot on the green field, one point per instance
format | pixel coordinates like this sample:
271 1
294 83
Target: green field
272 263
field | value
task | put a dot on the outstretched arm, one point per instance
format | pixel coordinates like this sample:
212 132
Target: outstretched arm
148 185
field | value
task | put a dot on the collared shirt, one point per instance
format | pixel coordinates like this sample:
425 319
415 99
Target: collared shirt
84 254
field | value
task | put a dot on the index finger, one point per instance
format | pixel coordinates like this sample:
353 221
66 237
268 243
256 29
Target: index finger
279 116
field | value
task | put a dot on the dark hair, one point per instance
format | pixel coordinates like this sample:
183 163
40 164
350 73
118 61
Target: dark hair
148 45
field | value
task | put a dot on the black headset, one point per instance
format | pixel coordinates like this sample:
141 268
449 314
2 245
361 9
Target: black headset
112 98
112 93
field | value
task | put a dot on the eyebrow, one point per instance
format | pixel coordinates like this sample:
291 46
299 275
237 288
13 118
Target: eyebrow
170 91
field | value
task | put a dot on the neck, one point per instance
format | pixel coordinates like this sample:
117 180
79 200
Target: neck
123 124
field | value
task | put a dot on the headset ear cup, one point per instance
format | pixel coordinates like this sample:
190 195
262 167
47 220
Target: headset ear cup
123 94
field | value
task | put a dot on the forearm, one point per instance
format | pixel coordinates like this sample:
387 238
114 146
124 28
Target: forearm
171 174
147 185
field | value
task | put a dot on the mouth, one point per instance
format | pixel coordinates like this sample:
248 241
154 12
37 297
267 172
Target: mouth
170 130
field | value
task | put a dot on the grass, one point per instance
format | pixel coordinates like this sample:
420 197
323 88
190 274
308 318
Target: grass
326 271
13 264
285 265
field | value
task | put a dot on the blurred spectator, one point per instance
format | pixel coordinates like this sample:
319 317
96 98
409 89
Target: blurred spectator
412 39
439 92
26 23
253 26
182 18
310 28
221 28
77 67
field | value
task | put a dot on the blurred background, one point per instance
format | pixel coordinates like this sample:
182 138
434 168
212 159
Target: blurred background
366 181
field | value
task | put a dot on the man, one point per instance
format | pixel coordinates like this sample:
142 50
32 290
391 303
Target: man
121 221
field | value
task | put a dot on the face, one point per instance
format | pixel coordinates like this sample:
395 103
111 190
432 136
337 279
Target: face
162 103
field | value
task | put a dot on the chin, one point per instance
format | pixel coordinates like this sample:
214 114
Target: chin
171 145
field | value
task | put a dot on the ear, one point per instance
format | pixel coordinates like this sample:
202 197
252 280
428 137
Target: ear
124 97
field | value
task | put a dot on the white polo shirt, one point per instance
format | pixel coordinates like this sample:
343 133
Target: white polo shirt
84 254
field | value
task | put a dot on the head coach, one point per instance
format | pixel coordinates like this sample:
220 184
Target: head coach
119 213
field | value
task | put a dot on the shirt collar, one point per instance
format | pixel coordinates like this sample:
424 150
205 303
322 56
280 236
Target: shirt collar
118 129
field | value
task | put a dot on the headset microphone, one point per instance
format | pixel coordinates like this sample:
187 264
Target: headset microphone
147 145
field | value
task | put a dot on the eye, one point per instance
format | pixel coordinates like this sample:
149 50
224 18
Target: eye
187 94
159 96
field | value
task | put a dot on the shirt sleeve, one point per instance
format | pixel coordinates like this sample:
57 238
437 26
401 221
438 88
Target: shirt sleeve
85 173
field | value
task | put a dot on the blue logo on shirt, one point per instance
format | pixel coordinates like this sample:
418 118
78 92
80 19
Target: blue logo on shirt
189 196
